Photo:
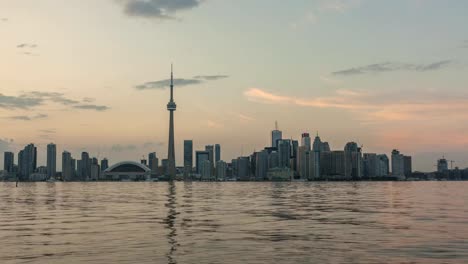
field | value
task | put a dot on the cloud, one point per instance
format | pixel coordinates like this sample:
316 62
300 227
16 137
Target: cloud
163 84
4 19
122 148
340 6
391 66
28 118
211 77
98 108
51 96
377 106
19 102
243 117
464 45
48 131
88 100
213 124
147 145
26 46
157 9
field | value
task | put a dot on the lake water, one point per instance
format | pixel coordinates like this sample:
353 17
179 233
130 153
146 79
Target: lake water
330 222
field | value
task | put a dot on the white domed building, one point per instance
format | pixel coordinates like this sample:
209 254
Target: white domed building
126 171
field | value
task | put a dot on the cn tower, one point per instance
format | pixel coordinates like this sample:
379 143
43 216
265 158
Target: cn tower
171 107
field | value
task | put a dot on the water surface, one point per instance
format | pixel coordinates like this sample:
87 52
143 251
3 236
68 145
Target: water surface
332 222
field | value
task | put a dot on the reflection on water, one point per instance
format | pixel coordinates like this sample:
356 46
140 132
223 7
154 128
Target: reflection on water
386 222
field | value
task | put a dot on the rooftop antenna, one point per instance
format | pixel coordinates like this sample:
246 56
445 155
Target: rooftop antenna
276 125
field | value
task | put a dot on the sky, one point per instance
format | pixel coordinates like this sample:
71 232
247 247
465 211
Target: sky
93 75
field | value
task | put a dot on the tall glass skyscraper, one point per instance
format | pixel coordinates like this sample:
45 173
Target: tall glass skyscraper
188 155
51 160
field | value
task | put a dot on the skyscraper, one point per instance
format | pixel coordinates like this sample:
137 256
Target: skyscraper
221 168
153 162
51 160
284 153
188 156
276 135
104 164
261 165
353 161
67 171
8 161
85 166
306 141
398 164
27 161
210 150
217 152
200 157
171 107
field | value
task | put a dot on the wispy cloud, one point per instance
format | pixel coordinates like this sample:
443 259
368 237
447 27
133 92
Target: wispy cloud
211 77
48 131
243 117
464 45
163 84
122 148
392 66
28 118
98 108
19 102
323 8
157 9
338 5
375 106
4 19
30 100
26 46
88 100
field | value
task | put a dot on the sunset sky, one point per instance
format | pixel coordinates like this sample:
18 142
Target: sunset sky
92 75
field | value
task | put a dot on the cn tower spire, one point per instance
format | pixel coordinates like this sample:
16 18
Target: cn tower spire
171 107
172 84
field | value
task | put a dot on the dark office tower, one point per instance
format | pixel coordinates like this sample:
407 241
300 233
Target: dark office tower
104 164
284 153
408 166
171 107
217 152
79 169
294 150
20 163
151 159
353 161
9 161
73 168
51 160
67 169
200 157
261 165
305 141
188 157
28 162
85 166
276 135
210 150
243 168
370 165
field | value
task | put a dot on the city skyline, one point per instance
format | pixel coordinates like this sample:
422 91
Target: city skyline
305 70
